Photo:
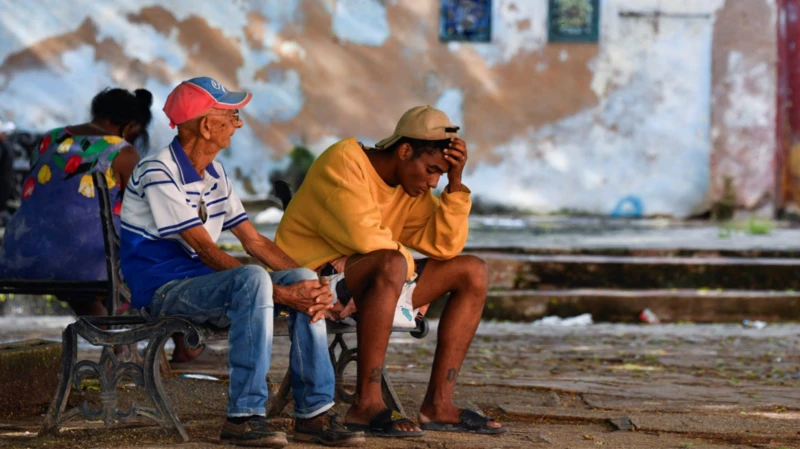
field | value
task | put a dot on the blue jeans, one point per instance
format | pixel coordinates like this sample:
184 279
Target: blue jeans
242 299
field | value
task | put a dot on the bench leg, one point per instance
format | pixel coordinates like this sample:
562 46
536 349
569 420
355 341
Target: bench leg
69 355
281 399
340 362
389 395
154 388
347 355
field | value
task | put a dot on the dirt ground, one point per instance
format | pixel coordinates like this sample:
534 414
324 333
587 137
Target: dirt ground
669 386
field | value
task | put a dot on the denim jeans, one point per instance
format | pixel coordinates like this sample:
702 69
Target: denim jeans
242 299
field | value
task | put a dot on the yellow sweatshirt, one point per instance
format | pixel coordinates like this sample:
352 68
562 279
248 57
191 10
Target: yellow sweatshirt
345 208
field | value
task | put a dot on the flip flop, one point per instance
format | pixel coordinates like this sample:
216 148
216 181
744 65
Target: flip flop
470 422
382 425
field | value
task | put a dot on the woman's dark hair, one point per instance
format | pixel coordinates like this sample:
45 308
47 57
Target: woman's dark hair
120 107
421 146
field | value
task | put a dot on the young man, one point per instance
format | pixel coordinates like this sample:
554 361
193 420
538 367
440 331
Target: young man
359 211
177 203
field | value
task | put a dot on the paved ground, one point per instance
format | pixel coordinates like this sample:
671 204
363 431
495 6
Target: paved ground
678 386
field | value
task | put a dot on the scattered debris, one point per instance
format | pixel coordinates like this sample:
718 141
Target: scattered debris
576 321
541 438
552 400
747 324
649 317
586 436
200 377
622 423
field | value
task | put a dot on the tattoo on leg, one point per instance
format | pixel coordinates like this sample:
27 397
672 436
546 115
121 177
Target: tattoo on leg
452 373
375 375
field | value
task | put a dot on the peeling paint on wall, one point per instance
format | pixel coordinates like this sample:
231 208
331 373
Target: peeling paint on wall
638 142
648 137
744 104
361 22
550 126
518 27
751 111
52 99
451 101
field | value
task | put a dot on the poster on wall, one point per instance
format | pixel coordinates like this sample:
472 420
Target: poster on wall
573 20
465 20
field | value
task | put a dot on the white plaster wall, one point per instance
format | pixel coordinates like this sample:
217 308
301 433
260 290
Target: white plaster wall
643 148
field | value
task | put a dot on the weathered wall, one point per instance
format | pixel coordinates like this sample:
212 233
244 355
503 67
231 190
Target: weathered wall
744 102
620 126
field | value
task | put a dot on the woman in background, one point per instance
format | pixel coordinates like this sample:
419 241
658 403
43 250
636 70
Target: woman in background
56 234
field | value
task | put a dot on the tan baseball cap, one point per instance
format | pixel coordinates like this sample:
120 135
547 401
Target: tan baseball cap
421 122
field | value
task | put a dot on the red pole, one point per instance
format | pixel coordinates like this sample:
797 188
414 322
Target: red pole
789 54
787 118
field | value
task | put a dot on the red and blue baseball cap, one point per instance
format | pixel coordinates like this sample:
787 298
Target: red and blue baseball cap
195 96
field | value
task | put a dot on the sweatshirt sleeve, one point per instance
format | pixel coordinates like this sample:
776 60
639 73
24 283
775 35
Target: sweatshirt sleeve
439 227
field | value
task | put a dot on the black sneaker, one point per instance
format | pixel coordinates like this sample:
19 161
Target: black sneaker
326 429
256 432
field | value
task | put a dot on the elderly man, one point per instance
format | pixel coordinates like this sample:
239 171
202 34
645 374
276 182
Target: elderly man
357 213
176 205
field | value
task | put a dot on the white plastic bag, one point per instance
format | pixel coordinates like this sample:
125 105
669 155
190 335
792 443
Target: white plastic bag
404 313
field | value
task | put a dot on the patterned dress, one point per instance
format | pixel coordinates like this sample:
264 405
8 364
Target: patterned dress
56 233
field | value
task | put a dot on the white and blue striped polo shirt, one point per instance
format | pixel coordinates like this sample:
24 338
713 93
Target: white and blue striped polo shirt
164 197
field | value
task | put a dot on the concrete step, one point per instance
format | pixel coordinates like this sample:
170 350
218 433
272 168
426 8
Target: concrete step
670 305
639 252
568 271
559 271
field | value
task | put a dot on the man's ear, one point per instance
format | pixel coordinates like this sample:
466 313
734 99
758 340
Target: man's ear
204 126
405 152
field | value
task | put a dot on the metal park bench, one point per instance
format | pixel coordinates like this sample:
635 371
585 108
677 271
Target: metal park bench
110 370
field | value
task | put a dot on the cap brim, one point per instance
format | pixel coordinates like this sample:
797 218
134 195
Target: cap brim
234 100
387 142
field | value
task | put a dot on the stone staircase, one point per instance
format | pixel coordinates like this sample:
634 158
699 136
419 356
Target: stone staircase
616 285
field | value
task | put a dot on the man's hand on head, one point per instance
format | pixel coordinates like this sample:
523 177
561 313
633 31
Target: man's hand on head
456 156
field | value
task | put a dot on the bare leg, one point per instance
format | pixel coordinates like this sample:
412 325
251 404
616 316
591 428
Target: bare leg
466 278
375 280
